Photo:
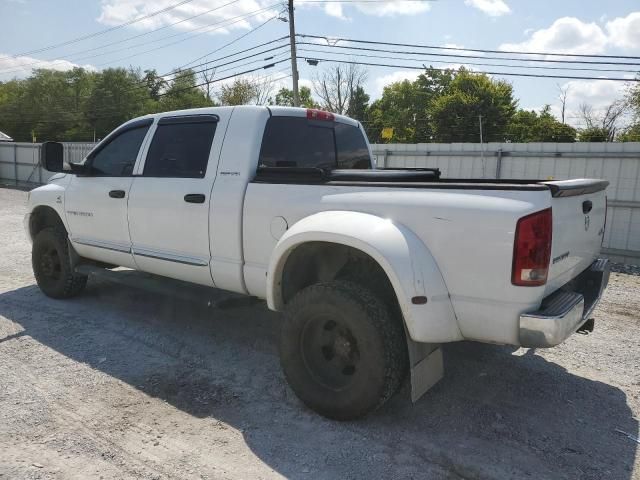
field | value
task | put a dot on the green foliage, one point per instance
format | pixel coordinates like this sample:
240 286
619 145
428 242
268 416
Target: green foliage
455 115
284 98
594 134
240 92
79 105
444 106
631 134
358 104
529 126
182 93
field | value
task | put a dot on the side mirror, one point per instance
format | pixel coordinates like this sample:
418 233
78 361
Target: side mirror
52 156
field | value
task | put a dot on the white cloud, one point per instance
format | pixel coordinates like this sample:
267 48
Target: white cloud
393 8
624 32
493 8
382 9
21 67
115 12
334 10
565 35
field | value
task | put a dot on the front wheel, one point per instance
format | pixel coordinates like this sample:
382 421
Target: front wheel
52 266
342 351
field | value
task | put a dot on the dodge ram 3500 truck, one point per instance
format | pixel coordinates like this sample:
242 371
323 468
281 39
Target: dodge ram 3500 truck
373 269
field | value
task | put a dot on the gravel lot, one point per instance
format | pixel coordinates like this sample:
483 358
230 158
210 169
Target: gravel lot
121 383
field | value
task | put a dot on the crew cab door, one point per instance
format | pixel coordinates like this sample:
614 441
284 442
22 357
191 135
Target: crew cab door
96 201
170 196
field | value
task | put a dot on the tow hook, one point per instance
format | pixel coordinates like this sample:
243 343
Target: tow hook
587 327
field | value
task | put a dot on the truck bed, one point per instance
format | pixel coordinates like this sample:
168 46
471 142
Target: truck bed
420 178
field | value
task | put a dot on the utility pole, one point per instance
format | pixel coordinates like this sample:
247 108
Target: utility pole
294 61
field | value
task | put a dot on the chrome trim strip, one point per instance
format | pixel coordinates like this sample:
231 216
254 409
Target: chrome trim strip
103 245
169 257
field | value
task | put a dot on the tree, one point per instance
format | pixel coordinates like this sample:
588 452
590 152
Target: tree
284 98
406 107
336 86
563 96
359 104
455 115
183 93
602 126
630 134
529 126
241 92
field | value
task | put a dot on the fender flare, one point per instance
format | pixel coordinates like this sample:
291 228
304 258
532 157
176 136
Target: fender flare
47 196
407 262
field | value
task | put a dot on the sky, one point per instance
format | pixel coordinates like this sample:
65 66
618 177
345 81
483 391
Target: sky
196 30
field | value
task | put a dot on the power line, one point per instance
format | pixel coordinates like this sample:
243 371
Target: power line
67 56
335 40
143 84
511 74
232 42
102 32
222 24
482 57
469 63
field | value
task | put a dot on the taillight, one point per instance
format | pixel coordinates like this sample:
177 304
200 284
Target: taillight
532 249
315 114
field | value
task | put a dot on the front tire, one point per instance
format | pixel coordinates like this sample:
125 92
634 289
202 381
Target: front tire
52 265
342 351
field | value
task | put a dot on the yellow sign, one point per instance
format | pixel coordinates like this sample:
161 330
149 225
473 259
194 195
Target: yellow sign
387 133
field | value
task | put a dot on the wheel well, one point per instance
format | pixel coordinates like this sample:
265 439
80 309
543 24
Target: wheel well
315 262
43 217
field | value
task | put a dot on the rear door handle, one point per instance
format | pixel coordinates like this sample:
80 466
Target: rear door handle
587 205
116 193
194 198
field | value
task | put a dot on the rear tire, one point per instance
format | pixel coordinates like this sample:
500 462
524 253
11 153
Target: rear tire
52 265
342 352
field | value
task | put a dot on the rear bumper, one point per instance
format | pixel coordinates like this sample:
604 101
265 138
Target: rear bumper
565 310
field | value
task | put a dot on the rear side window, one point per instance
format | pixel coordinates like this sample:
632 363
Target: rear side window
180 149
299 142
353 152
117 158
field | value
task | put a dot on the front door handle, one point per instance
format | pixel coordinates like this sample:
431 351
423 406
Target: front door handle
587 205
194 198
116 193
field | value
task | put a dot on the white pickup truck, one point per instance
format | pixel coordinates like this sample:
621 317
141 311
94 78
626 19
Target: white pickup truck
373 269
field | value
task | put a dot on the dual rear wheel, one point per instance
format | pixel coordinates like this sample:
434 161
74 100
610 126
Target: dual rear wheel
341 349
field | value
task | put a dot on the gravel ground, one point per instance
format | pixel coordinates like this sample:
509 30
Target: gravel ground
121 383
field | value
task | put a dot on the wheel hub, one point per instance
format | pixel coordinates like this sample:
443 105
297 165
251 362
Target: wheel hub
330 352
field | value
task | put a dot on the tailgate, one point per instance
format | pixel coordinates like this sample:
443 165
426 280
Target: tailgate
579 210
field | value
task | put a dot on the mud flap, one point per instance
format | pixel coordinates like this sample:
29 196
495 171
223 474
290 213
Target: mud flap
427 367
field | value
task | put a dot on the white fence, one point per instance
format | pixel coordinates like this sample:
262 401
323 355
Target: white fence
20 162
617 162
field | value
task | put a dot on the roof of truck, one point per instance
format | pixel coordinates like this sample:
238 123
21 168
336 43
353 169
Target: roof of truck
274 110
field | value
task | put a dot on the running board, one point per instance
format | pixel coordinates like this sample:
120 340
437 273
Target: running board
169 287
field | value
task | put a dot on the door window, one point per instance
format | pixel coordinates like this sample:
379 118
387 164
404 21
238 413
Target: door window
180 149
118 156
